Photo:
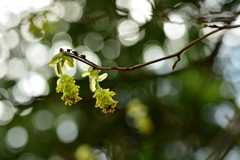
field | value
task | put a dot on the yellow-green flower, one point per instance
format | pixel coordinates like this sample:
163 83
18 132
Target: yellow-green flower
104 100
69 89
94 78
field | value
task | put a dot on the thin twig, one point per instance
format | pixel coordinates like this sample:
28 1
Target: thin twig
178 54
84 60
231 145
228 140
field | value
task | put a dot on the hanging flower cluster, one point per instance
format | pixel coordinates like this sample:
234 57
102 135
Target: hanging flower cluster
66 84
104 100
103 96
70 91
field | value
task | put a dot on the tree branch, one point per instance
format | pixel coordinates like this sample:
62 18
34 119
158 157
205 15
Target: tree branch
83 59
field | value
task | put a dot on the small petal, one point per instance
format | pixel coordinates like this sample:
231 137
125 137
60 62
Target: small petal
50 64
86 73
68 60
102 77
93 85
57 56
63 68
58 70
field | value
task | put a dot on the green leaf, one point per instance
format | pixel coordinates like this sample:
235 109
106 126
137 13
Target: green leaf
86 73
70 64
63 68
58 70
102 77
57 56
50 64
55 59
68 60
66 53
93 85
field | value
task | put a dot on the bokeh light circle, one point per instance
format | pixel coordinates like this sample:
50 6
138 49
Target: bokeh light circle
7 112
32 84
174 29
152 52
42 120
111 49
16 137
141 11
37 55
128 32
16 68
94 41
11 39
67 131
73 11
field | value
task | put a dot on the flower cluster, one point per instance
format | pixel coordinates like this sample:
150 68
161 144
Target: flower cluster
70 91
104 100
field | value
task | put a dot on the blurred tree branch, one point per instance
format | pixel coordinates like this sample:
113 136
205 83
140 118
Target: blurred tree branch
226 140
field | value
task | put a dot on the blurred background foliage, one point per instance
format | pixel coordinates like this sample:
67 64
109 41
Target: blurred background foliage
189 113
